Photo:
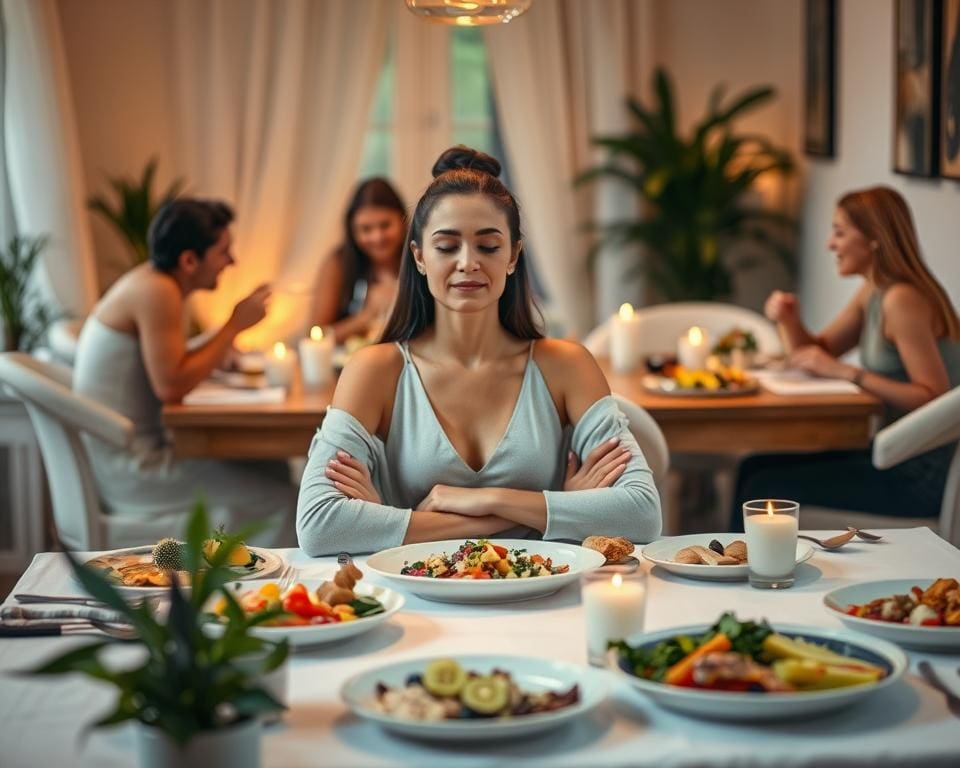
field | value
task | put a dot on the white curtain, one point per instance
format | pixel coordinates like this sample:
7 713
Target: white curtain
44 171
560 75
273 102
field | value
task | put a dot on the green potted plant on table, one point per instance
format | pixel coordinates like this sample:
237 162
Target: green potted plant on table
134 208
694 191
22 314
195 699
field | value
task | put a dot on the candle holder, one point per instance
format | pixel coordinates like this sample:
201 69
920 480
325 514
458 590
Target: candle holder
771 527
613 607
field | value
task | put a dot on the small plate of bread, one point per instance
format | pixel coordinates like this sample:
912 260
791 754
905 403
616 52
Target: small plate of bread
617 550
711 556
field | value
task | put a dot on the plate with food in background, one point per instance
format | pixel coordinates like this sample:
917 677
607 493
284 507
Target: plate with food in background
916 613
482 570
150 568
474 697
752 671
721 381
710 556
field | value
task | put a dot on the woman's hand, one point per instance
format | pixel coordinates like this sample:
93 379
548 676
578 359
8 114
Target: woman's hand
816 360
603 466
782 307
460 501
352 478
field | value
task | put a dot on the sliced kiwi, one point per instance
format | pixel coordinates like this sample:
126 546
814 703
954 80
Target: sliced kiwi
444 677
486 695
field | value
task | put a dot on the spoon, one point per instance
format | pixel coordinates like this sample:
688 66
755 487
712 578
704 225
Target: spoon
864 534
834 542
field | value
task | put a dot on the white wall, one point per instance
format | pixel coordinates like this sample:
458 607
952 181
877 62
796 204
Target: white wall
863 158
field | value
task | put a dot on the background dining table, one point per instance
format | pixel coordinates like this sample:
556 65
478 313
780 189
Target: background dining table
723 425
906 724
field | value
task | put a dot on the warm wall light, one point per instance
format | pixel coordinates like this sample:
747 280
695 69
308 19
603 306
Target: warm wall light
469 13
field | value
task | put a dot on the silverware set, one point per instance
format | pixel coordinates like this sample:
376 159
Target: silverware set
925 668
841 539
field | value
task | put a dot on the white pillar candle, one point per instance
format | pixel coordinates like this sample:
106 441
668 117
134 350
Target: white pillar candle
316 358
281 365
624 339
771 543
613 607
693 348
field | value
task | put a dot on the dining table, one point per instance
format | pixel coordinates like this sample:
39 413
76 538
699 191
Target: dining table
755 422
43 721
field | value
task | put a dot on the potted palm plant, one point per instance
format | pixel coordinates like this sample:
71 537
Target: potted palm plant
23 315
134 208
195 698
695 192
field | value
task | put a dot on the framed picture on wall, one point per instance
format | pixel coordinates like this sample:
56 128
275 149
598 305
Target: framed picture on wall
916 100
950 92
820 32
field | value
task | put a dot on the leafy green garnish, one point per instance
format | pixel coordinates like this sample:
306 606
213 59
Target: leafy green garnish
366 606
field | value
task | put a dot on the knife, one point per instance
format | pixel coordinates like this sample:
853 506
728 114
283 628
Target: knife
47 629
69 600
953 701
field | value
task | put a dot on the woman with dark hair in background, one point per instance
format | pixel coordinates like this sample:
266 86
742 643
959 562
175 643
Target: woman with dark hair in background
908 334
466 422
357 284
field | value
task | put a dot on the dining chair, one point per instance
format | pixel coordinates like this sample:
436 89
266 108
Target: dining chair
60 417
932 425
62 338
662 324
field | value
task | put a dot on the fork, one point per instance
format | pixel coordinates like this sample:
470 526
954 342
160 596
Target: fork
63 628
926 672
288 577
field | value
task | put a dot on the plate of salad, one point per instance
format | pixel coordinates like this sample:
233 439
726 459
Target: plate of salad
751 671
484 570
916 613
308 612
474 697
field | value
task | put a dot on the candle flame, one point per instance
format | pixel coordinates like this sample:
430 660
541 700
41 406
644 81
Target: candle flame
280 350
626 311
695 336
617 580
316 333
769 507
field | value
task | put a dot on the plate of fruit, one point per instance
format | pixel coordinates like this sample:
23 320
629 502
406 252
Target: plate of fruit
749 670
719 381
917 613
308 612
152 567
474 697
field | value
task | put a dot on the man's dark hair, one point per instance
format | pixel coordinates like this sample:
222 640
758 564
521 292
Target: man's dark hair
186 224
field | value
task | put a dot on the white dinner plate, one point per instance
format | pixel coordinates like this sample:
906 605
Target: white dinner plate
268 564
838 600
664 385
530 674
388 562
749 706
661 553
316 634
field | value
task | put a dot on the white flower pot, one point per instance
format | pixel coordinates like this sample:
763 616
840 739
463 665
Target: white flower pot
237 746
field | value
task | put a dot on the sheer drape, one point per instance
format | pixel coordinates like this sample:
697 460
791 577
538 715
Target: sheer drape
273 101
560 75
44 172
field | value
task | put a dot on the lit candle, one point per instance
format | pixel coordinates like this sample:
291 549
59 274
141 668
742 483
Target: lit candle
316 358
281 364
625 339
771 533
613 608
693 348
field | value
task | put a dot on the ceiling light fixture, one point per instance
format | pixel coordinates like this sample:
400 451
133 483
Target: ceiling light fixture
469 13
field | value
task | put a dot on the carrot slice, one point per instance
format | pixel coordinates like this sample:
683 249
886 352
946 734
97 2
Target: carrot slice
716 644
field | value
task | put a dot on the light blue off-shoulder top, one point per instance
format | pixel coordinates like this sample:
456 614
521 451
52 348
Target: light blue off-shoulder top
417 455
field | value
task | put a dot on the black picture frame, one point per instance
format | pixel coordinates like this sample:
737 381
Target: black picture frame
916 88
820 62
950 90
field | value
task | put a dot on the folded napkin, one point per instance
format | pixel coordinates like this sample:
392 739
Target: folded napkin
62 611
208 393
792 382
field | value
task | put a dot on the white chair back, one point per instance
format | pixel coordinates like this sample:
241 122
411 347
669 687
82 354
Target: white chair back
663 324
59 416
930 426
649 437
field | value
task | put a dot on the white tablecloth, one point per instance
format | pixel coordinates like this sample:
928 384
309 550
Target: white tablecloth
909 724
